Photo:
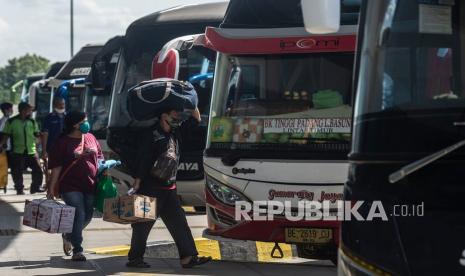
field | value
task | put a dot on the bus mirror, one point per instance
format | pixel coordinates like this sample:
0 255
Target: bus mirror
321 16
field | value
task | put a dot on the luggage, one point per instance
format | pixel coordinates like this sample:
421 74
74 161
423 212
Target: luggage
49 216
3 171
149 99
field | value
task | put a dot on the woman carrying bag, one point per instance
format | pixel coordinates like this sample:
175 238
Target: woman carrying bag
74 161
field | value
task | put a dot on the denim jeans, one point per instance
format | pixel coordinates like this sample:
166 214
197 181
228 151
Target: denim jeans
84 204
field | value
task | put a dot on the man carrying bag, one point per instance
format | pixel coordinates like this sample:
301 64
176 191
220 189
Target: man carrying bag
158 156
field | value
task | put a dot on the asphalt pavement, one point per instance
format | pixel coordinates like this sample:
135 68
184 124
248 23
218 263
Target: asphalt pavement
26 251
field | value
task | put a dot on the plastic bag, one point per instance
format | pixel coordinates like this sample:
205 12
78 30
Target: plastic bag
105 189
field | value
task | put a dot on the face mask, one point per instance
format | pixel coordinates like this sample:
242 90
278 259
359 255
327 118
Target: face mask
174 123
84 127
59 111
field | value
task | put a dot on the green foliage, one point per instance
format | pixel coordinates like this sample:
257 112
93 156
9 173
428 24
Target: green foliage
18 69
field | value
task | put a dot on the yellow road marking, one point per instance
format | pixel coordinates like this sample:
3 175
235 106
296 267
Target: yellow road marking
264 251
188 209
117 250
207 247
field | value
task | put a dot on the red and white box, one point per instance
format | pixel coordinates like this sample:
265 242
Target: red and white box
49 216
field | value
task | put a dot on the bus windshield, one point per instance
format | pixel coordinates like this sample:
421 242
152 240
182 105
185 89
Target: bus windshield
132 71
98 108
297 102
74 99
42 102
420 61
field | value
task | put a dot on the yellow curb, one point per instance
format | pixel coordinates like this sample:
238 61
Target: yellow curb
117 250
188 209
264 251
207 247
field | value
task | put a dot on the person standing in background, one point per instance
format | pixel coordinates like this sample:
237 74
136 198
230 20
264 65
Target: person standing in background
24 132
7 110
52 126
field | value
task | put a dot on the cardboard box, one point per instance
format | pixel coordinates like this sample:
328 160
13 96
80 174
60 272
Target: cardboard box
129 209
49 216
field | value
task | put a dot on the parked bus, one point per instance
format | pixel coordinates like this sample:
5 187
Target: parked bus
408 136
144 38
69 82
98 93
27 82
40 93
280 122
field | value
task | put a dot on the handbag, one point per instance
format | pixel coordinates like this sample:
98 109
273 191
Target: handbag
166 165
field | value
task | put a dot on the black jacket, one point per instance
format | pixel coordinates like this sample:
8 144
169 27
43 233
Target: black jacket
151 144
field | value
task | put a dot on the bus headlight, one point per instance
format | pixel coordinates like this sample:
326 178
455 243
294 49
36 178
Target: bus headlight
223 193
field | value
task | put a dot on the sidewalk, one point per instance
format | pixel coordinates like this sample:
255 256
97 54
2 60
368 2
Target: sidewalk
26 251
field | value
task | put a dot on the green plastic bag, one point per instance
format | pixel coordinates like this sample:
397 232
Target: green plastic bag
105 189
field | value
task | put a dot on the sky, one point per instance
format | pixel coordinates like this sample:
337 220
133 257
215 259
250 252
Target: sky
43 26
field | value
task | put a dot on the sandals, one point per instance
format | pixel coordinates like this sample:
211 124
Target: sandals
67 247
137 264
78 257
195 261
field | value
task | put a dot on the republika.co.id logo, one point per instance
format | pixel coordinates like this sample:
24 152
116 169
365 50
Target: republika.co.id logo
326 210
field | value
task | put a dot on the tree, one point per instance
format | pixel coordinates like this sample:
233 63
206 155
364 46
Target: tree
18 69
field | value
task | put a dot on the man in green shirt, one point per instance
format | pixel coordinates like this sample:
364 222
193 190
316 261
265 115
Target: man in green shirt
23 131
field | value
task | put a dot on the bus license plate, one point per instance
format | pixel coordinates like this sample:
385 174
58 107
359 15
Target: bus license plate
308 235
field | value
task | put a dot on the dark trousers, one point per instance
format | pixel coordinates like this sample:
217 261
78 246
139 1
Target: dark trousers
170 210
19 162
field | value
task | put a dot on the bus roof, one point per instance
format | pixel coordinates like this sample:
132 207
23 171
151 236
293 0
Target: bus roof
246 14
151 32
78 66
54 69
105 56
185 14
35 76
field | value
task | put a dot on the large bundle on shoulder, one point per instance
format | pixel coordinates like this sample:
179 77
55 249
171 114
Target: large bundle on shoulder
147 100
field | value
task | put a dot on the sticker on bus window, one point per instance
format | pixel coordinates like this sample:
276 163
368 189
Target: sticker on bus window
222 130
247 130
82 71
435 19
320 125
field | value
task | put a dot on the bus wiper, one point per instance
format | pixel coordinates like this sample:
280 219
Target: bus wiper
232 158
415 166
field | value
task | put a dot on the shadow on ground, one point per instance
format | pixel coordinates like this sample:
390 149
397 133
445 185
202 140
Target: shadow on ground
10 219
111 265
